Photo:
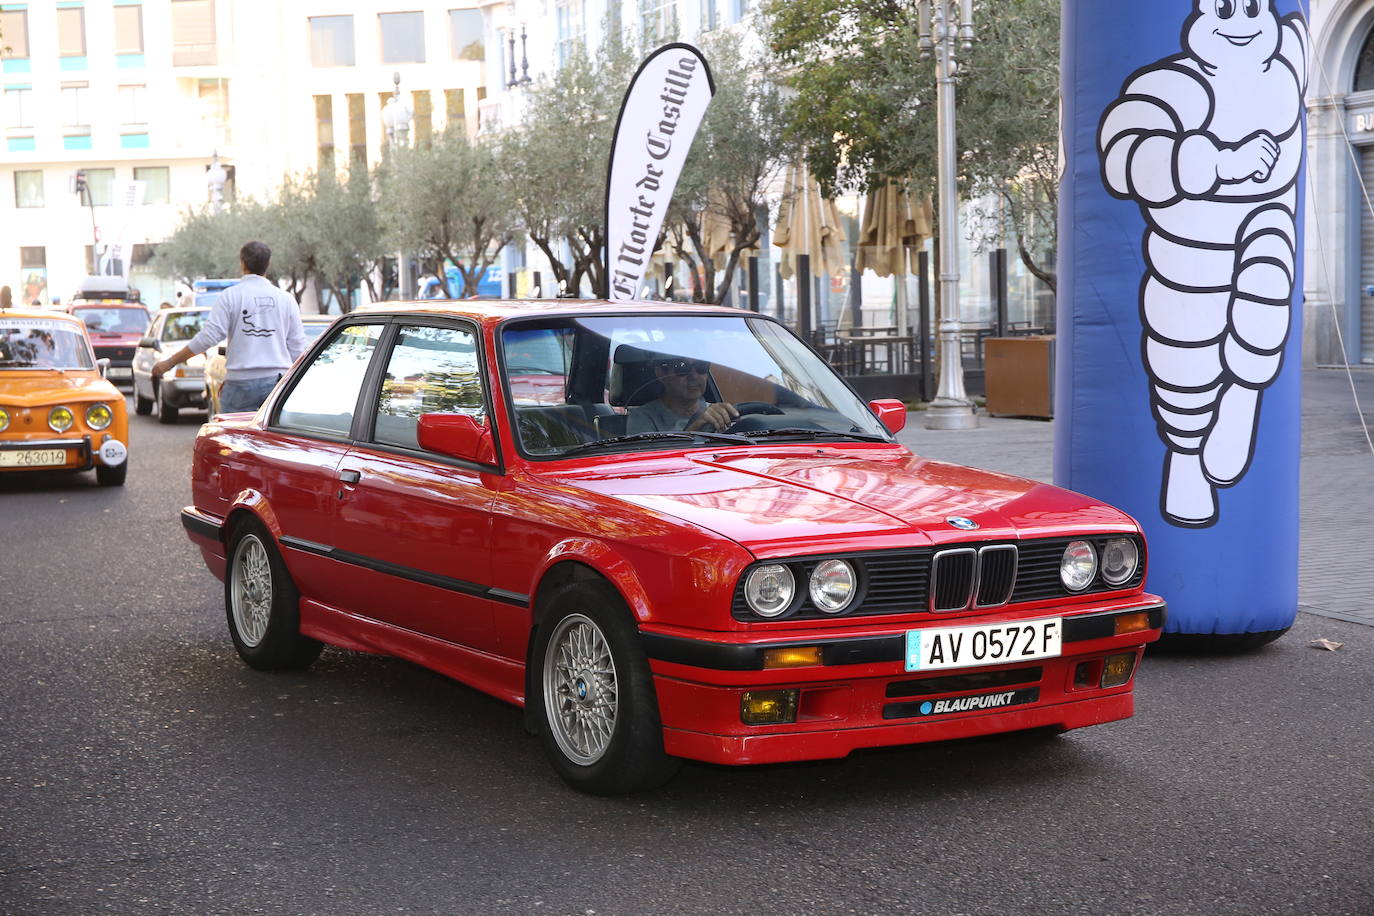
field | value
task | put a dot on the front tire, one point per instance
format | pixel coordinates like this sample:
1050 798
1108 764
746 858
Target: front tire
597 711
166 413
263 605
108 476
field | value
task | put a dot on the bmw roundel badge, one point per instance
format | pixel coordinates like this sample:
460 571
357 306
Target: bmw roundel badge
958 521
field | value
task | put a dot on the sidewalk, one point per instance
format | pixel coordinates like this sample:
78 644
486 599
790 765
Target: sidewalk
1336 571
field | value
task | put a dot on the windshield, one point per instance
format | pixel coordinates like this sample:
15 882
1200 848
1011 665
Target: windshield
42 343
617 383
182 326
113 320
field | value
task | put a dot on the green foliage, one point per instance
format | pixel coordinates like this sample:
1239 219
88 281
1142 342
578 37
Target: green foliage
864 105
444 202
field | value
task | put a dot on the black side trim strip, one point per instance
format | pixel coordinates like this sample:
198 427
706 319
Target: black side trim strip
197 525
405 572
719 656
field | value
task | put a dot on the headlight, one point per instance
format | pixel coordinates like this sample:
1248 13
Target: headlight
4 419
833 584
1078 566
61 419
99 416
769 590
1119 560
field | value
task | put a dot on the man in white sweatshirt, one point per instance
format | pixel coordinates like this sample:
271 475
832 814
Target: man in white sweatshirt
262 325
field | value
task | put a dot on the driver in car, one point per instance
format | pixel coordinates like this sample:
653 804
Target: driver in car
682 405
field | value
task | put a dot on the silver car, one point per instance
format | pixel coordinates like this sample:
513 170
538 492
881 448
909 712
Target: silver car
183 386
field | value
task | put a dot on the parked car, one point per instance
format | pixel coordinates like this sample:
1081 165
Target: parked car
115 329
793 586
314 326
57 410
205 292
184 386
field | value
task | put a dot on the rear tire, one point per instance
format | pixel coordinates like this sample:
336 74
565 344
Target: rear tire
166 413
596 708
263 604
114 476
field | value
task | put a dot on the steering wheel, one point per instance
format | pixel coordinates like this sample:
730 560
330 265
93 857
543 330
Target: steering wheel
748 407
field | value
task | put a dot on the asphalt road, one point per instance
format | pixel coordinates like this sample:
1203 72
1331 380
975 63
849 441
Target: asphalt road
144 769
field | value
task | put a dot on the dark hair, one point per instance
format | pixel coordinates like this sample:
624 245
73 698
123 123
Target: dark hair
255 256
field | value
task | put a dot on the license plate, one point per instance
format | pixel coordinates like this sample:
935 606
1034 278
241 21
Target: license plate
33 458
120 372
986 644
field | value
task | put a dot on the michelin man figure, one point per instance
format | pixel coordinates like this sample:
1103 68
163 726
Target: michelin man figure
1210 143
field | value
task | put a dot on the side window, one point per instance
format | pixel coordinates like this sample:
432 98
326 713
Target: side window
431 370
327 393
537 362
155 332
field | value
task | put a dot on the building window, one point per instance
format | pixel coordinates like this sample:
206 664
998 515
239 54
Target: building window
75 114
710 15
71 31
214 103
324 134
131 105
101 185
28 189
424 118
14 26
18 106
128 32
193 33
331 41
403 37
658 18
357 129
33 265
157 183
454 111
1364 69
572 28
465 30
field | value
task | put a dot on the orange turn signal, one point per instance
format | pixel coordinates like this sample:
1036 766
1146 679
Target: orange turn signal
1132 623
792 657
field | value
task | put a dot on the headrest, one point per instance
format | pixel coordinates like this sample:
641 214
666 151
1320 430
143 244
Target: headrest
632 376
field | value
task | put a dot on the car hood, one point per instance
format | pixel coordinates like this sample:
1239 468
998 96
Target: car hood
782 501
34 389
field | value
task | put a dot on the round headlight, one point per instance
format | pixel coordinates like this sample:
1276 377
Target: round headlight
769 590
833 585
99 416
1119 560
1078 566
4 419
61 419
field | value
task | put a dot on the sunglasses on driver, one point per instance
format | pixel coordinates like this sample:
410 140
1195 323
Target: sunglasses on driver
684 366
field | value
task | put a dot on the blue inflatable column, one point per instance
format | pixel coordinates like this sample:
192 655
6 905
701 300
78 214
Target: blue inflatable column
1177 383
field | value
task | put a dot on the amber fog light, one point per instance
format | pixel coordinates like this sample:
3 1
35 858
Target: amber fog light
1116 670
4 419
768 707
791 657
99 416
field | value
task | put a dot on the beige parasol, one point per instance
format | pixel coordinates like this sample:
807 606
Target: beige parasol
808 224
894 230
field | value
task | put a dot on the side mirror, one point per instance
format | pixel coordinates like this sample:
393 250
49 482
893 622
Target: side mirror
456 435
103 364
151 343
890 412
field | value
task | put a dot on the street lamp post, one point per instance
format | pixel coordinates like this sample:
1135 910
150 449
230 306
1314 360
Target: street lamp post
396 116
943 23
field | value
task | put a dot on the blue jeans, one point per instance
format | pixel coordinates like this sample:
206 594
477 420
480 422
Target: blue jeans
246 394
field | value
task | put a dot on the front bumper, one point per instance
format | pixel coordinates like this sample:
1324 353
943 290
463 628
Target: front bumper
79 454
862 696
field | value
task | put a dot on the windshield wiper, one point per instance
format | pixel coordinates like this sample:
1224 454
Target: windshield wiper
693 436
815 433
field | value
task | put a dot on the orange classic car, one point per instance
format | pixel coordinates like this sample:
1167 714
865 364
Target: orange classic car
57 410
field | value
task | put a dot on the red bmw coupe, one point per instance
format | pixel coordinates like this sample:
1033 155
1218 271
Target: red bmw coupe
706 547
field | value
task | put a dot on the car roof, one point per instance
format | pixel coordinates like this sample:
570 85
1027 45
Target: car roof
492 311
108 304
42 313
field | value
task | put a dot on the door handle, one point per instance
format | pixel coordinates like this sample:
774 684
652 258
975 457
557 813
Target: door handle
350 476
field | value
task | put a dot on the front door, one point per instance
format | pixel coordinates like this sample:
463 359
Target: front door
421 522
